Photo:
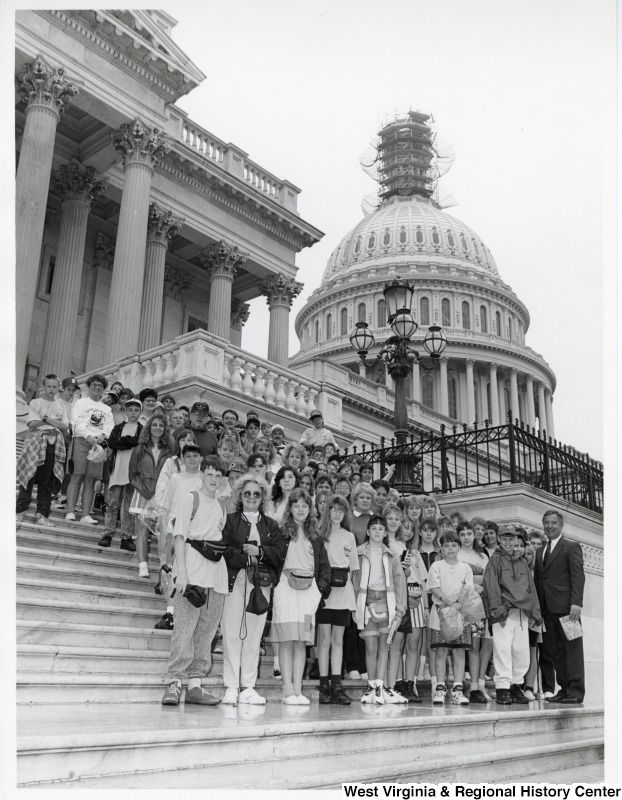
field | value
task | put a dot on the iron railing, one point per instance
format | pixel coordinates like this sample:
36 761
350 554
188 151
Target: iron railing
469 456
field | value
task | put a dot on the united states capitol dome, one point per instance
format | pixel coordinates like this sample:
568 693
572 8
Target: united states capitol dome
408 230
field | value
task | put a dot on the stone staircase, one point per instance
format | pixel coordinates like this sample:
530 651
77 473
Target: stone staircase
90 679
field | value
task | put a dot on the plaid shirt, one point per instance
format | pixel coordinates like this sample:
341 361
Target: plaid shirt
33 455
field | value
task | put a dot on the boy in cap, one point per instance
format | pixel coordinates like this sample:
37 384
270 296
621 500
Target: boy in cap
199 416
511 604
253 426
123 439
317 434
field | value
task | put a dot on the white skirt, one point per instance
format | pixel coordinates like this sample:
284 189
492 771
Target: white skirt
293 612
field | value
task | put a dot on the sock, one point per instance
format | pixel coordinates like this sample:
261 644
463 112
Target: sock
481 683
276 663
473 686
194 683
432 680
142 564
324 680
415 680
335 680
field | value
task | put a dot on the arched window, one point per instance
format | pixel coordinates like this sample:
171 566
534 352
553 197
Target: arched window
357 245
510 328
386 239
361 315
344 322
371 242
381 316
427 390
317 331
453 397
445 313
419 235
463 241
329 326
483 319
498 322
450 239
424 311
466 316
435 236
475 247
403 235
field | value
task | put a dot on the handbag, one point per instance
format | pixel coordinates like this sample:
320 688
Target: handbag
257 603
452 623
379 611
259 575
195 595
211 550
298 580
415 593
339 576
471 604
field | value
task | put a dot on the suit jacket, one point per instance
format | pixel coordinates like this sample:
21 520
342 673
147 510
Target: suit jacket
561 584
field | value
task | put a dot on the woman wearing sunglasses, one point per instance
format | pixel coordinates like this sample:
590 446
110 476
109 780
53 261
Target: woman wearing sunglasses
254 554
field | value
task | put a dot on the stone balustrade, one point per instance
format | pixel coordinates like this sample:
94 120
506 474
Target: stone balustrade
207 358
203 142
261 180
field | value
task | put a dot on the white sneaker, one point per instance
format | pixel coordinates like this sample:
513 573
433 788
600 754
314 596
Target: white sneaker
364 676
355 675
546 695
251 697
88 520
231 697
379 693
529 695
70 517
439 695
391 697
457 696
143 570
302 700
291 700
43 521
370 695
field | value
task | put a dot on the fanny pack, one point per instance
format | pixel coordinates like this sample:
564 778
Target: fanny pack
259 575
379 611
298 580
339 576
195 595
212 550
415 592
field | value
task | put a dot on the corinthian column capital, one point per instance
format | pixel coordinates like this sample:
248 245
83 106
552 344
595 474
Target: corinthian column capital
222 259
240 313
280 291
162 226
139 144
74 181
43 85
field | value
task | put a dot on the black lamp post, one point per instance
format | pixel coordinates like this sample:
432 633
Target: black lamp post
397 354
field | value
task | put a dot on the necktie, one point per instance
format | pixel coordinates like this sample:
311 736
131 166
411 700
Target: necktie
547 553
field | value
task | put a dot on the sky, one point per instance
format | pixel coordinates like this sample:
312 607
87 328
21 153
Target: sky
522 91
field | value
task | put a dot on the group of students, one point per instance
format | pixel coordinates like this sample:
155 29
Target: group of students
247 522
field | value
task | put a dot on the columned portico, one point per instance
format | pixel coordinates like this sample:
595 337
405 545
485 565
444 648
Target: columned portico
46 91
444 409
542 410
140 149
494 395
240 312
222 262
483 396
77 186
470 389
548 404
514 394
531 410
162 227
280 293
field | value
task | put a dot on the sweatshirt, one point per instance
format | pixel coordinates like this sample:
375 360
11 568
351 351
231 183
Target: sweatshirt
508 583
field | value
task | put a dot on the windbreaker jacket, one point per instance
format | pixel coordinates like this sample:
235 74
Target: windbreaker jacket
235 535
118 442
394 579
508 583
144 472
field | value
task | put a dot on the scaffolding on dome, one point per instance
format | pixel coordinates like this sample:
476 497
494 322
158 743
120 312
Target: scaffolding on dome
407 159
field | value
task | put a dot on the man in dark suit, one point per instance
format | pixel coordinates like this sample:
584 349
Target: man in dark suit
560 579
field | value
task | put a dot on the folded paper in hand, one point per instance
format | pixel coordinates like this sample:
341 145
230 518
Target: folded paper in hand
571 629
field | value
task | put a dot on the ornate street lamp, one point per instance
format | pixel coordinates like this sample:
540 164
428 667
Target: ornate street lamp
397 353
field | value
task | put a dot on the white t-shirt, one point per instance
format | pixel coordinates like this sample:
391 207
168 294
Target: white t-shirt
341 549
179 485
300 555
91 418
120 473
52 409
207 525
448 578
376 580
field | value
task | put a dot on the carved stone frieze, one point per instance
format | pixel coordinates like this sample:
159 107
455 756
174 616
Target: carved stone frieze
175 283
280 290
139 144
222 259
163 226
74 181
43 85
240 313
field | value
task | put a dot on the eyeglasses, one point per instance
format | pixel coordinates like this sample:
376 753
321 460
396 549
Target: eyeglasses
253 495
97 385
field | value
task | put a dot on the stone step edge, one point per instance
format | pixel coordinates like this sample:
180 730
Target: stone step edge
99 608
87 741
86 627
79 559
40 583
53 570
90 544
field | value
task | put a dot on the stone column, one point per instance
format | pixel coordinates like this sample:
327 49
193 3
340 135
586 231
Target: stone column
494 395
543 424
161 228
222 262
77 186
548 404
531 411
444 405
503 411
140 149
416 383
240 312
46 91
280 293
483 396
470 386
514 394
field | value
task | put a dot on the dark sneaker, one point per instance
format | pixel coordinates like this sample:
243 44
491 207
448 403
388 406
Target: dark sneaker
127 544
105 541
411 693
504 698
325 695
477 696
165 624
400 687
172 694
201 697
518 695
314 671
339 697
100 502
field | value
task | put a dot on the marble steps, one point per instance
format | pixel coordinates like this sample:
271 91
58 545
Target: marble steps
51 688
76 634
103 614
85 574
80 594
227 747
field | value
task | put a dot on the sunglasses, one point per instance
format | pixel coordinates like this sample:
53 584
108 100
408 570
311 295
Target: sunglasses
254 495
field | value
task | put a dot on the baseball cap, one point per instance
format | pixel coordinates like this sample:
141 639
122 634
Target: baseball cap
506 529
200 406
237 465
70 382
133 401
278 427
316 413
191 447
114 395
